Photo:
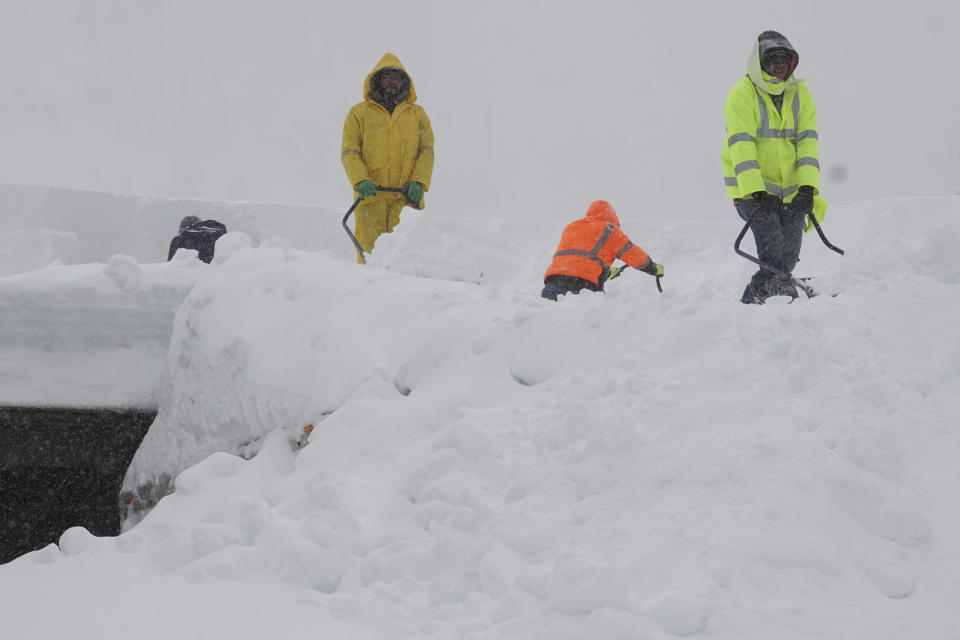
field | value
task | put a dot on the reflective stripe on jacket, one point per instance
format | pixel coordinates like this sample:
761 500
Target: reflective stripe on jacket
767 149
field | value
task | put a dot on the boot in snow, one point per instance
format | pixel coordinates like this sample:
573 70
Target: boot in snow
780 286
752 295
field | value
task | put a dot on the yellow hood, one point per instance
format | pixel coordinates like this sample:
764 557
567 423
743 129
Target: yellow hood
389 61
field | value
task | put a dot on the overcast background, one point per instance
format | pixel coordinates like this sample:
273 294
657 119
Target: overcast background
242 100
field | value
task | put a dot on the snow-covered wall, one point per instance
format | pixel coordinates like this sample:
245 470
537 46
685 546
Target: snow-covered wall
91 335
41 225
87 300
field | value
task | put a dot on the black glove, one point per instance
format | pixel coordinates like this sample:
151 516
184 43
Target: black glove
803 201
768 202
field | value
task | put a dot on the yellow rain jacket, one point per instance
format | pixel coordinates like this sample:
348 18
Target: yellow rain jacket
389 149
767 149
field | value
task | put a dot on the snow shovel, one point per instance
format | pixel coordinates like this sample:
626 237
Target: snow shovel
763 265
353 238
816 225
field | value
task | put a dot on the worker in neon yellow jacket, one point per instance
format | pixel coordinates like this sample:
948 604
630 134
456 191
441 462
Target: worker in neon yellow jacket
387 142
771 165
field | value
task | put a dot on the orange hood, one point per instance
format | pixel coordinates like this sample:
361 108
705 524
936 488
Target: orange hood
601 210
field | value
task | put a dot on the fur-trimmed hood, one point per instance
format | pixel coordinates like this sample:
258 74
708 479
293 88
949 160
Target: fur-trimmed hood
389 61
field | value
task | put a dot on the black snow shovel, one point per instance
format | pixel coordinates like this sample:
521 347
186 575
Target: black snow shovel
763 265
353 238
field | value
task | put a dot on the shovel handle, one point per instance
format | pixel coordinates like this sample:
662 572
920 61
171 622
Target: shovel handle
353 238
763 265
346 217
816 225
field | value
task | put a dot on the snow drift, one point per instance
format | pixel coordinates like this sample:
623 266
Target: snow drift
485 464
40 226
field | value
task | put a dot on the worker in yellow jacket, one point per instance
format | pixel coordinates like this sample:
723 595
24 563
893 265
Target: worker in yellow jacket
771 165
387 142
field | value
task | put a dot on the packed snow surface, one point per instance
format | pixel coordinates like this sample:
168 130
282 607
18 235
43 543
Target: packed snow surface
87 294
487 464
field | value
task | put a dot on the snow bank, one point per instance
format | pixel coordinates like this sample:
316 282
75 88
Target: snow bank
40 226
485 464
87 305
90 335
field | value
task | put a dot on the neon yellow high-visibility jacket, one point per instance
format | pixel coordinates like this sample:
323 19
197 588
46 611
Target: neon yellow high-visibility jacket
389 149
767 149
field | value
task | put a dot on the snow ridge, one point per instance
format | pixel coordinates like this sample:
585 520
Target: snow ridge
486 464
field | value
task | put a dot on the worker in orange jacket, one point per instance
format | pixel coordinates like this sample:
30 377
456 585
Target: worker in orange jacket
587 250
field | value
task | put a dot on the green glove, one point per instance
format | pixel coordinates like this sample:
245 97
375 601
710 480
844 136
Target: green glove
366 188
614 272
652 268
413 192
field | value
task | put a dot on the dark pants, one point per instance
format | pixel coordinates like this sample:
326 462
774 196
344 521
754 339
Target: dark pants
778 236
557 285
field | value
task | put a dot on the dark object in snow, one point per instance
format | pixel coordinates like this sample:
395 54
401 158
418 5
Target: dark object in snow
62 467
199 235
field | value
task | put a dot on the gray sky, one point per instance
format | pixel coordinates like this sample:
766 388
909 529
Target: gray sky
538 107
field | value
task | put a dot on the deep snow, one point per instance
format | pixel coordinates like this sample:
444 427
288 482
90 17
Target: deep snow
485 464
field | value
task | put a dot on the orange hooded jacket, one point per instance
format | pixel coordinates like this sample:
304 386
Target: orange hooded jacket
589 246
